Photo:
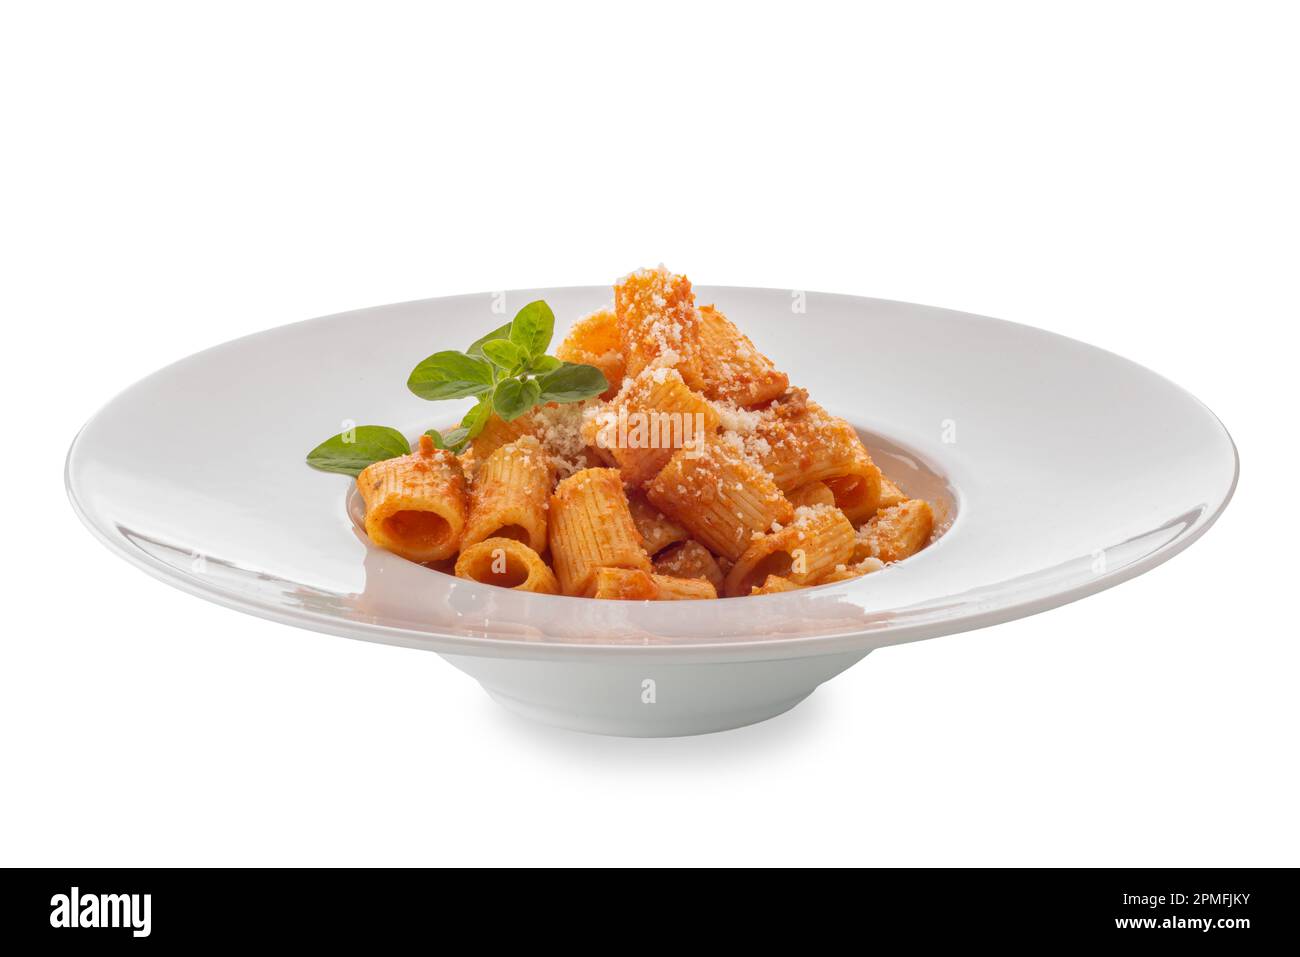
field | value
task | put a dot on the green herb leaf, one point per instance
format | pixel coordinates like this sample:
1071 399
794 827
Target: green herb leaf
453 440
450 375
349 452
528 378
532 392
572 382
471 424
532 328
476 350
504 353
476 418
511 400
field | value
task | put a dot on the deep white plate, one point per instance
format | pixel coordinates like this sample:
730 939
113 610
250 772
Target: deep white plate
1062 470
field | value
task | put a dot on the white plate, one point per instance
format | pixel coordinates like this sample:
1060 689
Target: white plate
1063 470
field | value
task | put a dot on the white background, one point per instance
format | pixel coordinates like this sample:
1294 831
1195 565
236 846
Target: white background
176 175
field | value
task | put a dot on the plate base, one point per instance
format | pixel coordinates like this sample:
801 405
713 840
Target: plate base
646 699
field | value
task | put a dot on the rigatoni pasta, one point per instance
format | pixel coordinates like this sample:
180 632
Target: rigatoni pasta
658 324
663 457
898 532
591 528
499 432
813 493
623 584
774 585
722 497
690 560
803 443
594 341
802 552
732 368
653 415
416 505
857 491
890 494
657 530
507 563
510 495
843 573
632 584
672 588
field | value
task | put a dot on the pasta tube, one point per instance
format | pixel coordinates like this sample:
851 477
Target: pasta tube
653 415
624 584
774 585
670 588
594 341
898 532
507 563
690 560
630 584
890 494
814 493
844 573
804 551
658 324
657 530
733 369
416 504
498 432
509 495
591 527
803 443
857 492
722 497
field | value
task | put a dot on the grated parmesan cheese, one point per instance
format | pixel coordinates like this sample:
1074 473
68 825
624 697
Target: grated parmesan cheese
559 429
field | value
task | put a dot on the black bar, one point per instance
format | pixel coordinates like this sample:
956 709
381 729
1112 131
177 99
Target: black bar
1231 908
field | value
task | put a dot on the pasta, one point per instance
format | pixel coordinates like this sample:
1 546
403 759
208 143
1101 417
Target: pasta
631 584
732 368
509 495
624 584
890 494
845 573
594 341
898 532
416 505
803 443
690 560
658 324
657 530
723 498
556 427
671 588
653 415
591 528
693 470
814 493
857 491
508 563
774 585
499 432
804 551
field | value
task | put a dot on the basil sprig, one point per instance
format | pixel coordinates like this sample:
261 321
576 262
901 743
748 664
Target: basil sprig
507 370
